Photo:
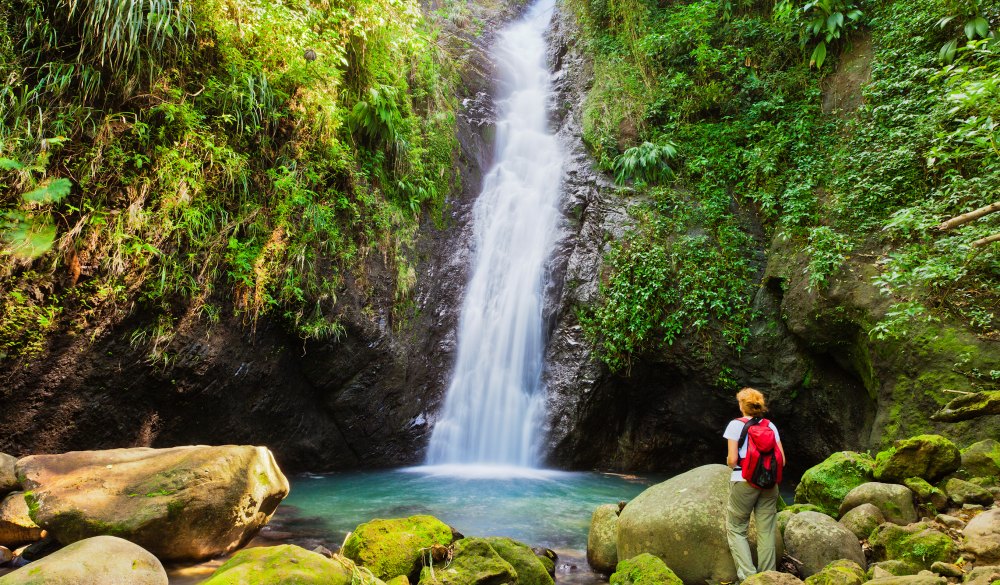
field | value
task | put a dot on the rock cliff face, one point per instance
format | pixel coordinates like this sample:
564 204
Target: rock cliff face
830 385
365 400
371 398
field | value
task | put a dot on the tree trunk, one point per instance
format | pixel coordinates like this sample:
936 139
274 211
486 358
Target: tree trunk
969 406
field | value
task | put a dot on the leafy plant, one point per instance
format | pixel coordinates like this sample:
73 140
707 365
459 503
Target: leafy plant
827 252
646 162
975 26
823 22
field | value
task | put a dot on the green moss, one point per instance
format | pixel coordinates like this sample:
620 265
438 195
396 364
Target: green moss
473 561
927 456
825 485
389 548
644 569
917 544
530 570
840 572
283 565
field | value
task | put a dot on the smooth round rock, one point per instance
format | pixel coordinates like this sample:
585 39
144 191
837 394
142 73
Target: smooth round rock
602 539
101 560
817 540
982 459
893 500
963 492
981 537
682 521
285 564
862 520
644 569
474 563
181 503
16 526
8 475
391 547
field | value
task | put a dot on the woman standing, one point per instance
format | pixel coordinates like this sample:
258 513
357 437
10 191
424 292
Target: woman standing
745 498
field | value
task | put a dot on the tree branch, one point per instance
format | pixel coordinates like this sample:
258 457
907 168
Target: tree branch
967 217
986 240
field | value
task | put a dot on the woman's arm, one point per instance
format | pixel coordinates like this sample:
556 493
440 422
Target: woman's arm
782 449
733 457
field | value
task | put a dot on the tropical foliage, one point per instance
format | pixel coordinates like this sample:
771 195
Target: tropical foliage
742 89
186 160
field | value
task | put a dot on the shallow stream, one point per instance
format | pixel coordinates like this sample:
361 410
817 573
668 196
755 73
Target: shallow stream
550 509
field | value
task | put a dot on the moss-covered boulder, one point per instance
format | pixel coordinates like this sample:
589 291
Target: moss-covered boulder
400 580
548 558
963 492
816 540
101 560
862 520
919 544
982 459
644 569
981 537
682 521
602 539
796 508
182 503
930 457
892 567
474 562
825 485
839 572
772 578
530 569
893 500
926 494
286 564
391 547
16 526
8 476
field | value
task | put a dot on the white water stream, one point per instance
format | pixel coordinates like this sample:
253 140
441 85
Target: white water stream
495 403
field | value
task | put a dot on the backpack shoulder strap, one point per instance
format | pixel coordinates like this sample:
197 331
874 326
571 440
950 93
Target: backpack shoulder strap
743 434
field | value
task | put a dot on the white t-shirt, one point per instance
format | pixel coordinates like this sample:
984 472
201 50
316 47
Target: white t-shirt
733 433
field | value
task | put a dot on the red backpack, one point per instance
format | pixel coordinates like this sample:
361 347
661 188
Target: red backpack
761 466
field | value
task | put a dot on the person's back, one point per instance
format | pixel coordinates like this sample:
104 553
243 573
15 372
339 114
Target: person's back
745 498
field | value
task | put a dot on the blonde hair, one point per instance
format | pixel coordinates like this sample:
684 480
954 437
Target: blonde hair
751 402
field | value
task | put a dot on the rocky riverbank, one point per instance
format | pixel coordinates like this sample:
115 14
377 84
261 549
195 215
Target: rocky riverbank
923 512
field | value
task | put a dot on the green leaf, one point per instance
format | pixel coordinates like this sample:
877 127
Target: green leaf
10 165
982 27
948 50
30 239
818 55
50 192
977 27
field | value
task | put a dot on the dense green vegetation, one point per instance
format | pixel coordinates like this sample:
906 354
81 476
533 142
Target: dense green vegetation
181 160
730 94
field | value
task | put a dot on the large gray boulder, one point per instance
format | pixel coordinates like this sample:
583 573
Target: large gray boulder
862 520
893 500
602 539
981 537
816 540
982 575
683 522
182 503
101 560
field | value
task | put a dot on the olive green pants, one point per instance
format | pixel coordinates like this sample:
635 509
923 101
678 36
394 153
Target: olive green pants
744 499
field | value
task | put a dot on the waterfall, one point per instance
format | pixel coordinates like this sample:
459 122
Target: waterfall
495 403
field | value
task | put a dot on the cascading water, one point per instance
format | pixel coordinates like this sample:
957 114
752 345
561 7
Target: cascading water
495 402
